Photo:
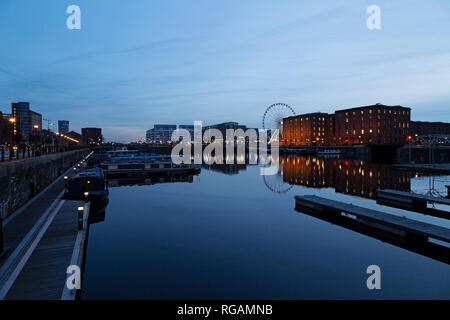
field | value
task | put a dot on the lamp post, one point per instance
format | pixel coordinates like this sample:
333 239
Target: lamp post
80 217
410 156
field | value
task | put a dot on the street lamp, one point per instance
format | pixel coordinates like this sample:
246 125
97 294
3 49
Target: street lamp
409 149
80 217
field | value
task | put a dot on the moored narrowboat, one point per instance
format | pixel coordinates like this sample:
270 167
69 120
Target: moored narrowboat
87 184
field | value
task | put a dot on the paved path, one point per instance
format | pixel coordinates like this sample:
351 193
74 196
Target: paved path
18 224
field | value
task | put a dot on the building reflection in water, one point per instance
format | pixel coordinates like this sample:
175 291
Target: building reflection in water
150 180
232 165
354 177
98 207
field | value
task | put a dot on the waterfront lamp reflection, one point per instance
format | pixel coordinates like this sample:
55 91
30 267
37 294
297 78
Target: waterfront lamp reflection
354 177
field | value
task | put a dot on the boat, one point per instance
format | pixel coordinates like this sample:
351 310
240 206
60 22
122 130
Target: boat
296 150
133 162
329 152
86 184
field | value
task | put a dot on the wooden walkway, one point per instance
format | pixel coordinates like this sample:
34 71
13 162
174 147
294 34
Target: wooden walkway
377 219
408 197
439 168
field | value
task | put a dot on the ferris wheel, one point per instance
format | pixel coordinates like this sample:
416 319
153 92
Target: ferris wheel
274 115
275 183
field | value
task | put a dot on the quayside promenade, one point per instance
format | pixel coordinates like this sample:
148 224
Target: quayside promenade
40 240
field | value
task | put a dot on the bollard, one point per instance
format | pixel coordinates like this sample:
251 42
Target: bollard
3 153
80 217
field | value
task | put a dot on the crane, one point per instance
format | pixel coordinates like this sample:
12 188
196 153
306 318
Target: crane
49 123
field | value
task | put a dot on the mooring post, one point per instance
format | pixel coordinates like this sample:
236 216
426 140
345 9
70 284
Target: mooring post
3 153
80 217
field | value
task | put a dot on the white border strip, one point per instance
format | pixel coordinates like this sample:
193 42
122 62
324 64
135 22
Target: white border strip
77 254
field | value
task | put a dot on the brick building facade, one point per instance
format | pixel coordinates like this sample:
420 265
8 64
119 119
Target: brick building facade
422 128
375 125
308 129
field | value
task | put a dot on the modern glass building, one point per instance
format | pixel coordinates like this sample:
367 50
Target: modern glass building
22 122
63 126
161 133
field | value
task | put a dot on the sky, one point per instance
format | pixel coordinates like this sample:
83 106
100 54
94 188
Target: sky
136 63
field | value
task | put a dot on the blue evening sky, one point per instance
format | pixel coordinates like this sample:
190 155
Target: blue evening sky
140 62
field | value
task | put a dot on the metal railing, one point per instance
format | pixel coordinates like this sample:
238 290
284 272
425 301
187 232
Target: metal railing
10 153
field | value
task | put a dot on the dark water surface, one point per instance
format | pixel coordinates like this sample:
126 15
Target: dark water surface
230 234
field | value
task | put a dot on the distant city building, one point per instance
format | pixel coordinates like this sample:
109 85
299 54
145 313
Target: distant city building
160 133
21 115
71 139
375 125
35 127
27 123
92 135
63 126
222 127
309 129
422 128
48 137
189 128
6 129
